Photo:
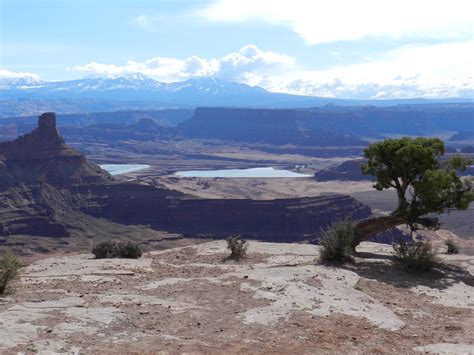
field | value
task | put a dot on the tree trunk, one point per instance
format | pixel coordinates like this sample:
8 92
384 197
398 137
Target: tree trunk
369 227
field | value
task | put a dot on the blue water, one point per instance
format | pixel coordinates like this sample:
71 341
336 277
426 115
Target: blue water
117 169
242 173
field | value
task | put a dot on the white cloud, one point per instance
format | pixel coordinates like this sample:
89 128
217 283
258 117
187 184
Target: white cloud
7 74
320 21
433 62
441 70
10 78
234 66
374 90
251 60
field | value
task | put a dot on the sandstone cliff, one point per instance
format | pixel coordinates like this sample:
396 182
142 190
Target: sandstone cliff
291 219
274 126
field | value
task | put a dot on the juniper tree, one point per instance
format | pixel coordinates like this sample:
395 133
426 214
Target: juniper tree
425 186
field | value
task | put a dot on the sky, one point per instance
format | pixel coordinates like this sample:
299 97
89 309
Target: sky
336 48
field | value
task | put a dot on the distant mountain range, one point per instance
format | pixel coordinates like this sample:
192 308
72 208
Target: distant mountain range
207 91
193 92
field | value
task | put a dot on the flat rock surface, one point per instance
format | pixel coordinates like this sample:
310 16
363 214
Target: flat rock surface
279 299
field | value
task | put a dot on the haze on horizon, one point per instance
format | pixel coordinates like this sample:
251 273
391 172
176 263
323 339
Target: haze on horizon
345 49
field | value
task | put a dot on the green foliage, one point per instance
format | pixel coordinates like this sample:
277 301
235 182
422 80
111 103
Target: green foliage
112 249
9 270
406 157
105 250
336 241
416 255
452 246
130 250
424 188
237 246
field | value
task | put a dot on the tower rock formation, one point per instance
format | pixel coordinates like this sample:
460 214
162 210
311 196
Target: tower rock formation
42 155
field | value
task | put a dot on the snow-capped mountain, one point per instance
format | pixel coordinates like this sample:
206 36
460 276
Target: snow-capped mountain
26 81
139 88
212 86
195 91
136 82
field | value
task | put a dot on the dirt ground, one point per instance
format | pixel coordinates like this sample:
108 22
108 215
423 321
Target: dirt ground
260 188
279 299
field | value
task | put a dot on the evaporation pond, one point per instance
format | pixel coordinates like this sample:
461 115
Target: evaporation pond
268 172
118 169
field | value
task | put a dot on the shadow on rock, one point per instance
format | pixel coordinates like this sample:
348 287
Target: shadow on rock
441 277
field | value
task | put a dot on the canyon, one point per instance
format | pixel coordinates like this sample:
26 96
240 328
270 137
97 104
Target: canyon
49 189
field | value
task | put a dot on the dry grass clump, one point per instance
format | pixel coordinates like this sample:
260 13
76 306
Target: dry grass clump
415 255
9 270
336 242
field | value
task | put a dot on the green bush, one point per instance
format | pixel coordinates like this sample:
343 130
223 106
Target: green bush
105 250
237 247
452 246
9 270
130 250
415 255
112 249
336 242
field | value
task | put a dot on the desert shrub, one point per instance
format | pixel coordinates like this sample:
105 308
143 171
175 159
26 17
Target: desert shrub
237 247
105 250
9 270
113 249
415 255
452 246
130 250
336 241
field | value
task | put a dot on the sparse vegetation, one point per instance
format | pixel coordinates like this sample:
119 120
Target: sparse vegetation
237 246
114 249
452 246
9 270
336 242
415 255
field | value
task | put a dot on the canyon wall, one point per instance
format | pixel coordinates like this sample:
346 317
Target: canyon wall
273 126
292 219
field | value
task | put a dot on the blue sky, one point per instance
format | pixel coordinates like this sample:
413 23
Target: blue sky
341 48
